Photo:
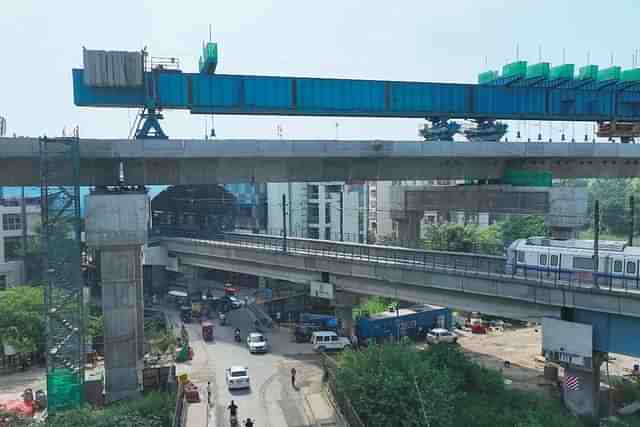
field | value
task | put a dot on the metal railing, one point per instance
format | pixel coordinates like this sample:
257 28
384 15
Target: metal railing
341 401
458 263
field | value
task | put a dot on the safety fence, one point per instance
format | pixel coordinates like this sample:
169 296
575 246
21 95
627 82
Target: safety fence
343 405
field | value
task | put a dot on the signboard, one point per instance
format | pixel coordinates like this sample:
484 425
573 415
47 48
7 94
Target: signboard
568 343
321 290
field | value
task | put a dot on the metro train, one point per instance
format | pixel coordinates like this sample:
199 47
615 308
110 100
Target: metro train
618 263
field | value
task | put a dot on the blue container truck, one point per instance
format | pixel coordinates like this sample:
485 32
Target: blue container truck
408 322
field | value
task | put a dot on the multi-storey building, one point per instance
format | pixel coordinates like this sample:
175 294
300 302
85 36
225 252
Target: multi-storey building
12 226
323 210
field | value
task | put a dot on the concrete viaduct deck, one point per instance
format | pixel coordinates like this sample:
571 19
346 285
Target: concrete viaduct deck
226 161
615 313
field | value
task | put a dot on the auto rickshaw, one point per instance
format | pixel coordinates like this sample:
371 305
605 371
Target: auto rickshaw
207 331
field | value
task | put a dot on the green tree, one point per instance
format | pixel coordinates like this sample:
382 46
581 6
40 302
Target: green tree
490 240
612 195
21 317
451 237
372 305
522 226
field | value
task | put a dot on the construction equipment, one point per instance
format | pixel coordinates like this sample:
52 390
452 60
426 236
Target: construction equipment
64 291
626 131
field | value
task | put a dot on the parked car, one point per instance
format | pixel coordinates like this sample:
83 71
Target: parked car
329 340
439 335
237 377
257 343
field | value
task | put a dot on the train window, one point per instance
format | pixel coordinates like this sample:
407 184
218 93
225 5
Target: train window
554 260
520 256
617 266
543 259
631 268
583 263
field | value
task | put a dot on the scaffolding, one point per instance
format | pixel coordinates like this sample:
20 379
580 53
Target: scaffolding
64 290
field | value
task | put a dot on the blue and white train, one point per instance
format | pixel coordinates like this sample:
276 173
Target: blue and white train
618 263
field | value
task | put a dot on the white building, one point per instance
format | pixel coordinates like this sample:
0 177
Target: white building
313 210
12 270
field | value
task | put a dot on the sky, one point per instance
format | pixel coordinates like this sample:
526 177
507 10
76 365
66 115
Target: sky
445 41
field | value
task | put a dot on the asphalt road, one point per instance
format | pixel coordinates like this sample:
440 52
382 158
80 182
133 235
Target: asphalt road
271 401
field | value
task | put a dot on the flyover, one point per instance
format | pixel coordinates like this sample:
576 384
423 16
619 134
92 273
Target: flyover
465 281
228 161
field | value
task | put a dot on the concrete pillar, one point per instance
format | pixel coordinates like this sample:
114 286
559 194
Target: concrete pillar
344 304
583 399
116 224
409 229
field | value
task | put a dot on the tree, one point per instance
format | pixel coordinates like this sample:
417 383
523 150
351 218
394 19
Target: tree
21 318
372 305
612 195
522 226
451 237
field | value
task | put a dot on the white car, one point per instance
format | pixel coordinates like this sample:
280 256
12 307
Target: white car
237 377
440 335
257 343
329 340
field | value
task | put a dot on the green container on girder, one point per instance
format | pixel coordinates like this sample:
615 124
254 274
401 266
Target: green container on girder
588 72
564 71
209 59
630 75
487 77
515 69
608 74
541 69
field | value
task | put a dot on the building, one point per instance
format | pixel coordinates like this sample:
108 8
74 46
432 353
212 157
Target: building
383 227
323 210
251 200
12 226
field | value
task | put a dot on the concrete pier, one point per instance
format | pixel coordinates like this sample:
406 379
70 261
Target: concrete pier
116 224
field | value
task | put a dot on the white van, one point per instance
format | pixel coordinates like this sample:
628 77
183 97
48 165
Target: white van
328 340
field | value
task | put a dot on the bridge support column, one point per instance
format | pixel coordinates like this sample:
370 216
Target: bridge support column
409 229
581 389
116 224
344 303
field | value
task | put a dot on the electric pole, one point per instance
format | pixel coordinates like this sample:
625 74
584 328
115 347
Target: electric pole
342 214
596 229
632 208
284 223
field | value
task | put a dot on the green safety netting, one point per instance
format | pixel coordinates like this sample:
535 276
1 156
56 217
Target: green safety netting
611 73
538 70
515 69
64 390
523 178
588 72
564 71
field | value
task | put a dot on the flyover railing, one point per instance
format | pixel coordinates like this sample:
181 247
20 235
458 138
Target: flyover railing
459 263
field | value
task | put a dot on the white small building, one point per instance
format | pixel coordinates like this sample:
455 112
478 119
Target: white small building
314 210
12 270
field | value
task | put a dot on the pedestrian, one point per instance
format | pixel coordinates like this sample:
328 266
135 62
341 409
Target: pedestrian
354 341
293 377
209 392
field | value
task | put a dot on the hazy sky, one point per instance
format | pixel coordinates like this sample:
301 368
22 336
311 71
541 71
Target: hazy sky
41 41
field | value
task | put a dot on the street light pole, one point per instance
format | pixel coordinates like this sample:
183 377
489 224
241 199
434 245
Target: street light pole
284 223
342 214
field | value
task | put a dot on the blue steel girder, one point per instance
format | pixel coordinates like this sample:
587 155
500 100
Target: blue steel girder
612 333
263 95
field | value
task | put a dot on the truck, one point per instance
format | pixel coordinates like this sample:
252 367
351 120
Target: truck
414 322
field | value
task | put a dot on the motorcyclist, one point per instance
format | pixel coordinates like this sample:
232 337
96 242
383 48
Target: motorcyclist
237 334
233 409
248 423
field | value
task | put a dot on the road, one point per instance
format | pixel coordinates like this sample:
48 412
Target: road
271 401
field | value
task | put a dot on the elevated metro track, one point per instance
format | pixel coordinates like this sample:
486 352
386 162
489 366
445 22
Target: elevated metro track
228 161
469 282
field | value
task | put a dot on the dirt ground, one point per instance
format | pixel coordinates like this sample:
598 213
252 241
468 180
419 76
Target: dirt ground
522 348
13 385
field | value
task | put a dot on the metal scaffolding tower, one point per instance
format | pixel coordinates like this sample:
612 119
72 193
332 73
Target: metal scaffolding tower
64 296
